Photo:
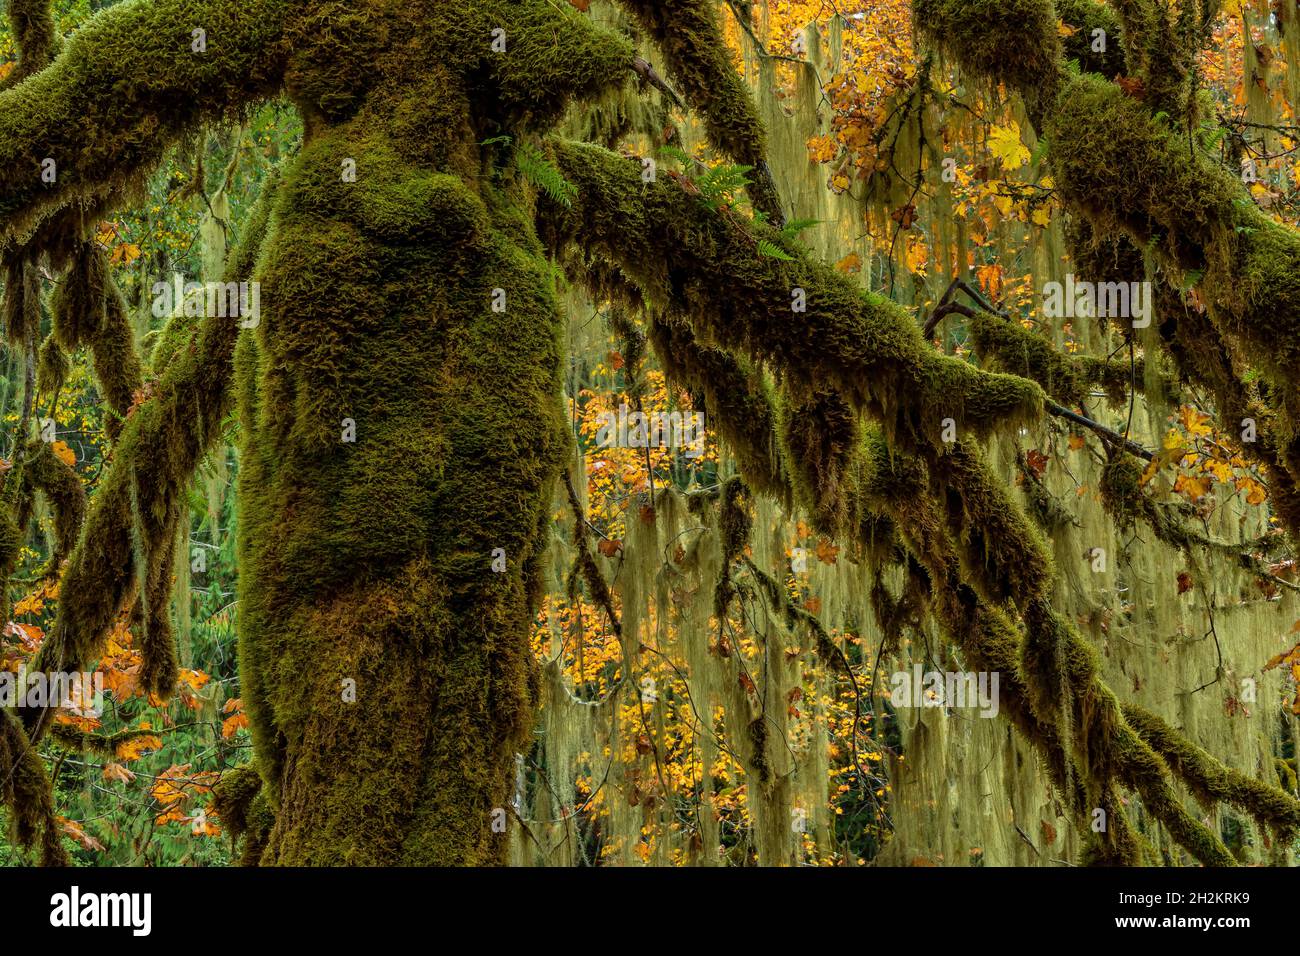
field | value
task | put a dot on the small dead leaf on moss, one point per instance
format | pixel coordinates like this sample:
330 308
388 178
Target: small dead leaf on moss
1036 461
1184 582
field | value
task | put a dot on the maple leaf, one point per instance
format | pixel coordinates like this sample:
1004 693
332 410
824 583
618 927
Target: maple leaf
233 724
609 546
73 829
1076 442
195 679
115 771
1036 461
827 552
1005 144
200 825
1197 423
64 453
990 278
1194 488
904 216
850 263
134 748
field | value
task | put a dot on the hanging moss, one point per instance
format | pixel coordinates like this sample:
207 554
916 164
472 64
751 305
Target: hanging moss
52 368
45 472
22 302
737 400
26 791
689 260
1016 43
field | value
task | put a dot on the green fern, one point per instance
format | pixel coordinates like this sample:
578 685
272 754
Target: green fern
773 251
537 169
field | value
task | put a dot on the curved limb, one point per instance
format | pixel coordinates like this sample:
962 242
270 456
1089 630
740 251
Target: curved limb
170 433
124 87
687 32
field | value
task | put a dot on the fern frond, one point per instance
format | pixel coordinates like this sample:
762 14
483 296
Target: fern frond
537 169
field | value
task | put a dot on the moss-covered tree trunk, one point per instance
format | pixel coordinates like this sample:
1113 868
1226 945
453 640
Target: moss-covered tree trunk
402 430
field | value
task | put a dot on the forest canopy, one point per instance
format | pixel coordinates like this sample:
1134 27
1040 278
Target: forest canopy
654 432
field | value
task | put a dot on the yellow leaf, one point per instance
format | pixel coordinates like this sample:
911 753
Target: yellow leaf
1194 488
64 453
1004 142
134 748
850 263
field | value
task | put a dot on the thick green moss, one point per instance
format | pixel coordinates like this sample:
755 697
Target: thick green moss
126 86
694 263
45 472
1087 16
1213 783
1016 42
26 790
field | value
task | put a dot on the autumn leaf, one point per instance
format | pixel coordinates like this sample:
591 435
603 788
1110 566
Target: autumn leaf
1076 442
233 724
990 279
135 748
609 546
1005 144
1197 423
64 453
115 771
195 679
1184 582
73 829
850 263
904 216
125 254
827 552
1194 488
615 359
1036 461
582 5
